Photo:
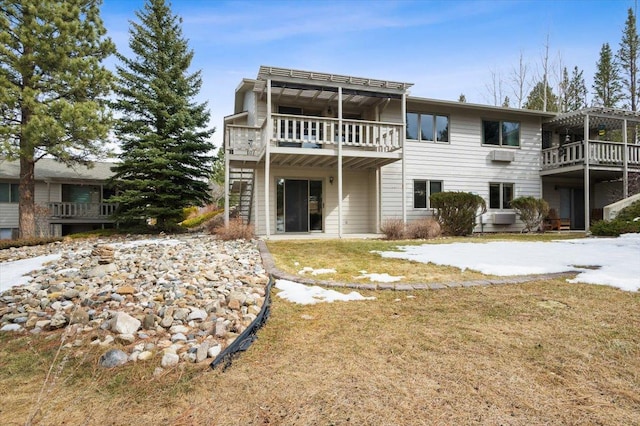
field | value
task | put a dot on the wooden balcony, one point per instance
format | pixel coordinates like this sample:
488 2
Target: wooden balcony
81 212
308 140
602 155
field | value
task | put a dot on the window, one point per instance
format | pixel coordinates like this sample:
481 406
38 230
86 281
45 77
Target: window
422 189
500 195
502 133
427 127
9 193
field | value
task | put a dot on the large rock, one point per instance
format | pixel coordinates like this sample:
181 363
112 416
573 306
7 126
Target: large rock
169 360
113 358
124 323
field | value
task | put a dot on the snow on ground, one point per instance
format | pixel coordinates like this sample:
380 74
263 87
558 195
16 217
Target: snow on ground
12 273
308 295
316 271
382 278
607 261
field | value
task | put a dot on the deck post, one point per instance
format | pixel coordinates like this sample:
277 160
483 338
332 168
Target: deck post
587 189
225 144
625 162
339 162
378 201
267 161
404 156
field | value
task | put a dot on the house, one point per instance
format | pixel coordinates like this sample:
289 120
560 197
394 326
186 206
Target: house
311 152
68 199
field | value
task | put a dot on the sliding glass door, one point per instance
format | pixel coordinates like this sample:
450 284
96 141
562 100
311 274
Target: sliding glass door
298 205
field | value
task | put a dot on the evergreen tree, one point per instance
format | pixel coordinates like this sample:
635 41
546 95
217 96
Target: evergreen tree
536 98
218 166
462 98
576 95
628 58
607 88
165 148
52 88
506 102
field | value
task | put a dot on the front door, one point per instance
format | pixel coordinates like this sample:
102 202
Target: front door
299 205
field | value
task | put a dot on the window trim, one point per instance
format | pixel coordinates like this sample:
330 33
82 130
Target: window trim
501 143
501 187
434 120
428 194
11 192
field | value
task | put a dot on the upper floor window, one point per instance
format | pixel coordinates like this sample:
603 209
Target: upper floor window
500 195
427 127
422 190
502 133
9 193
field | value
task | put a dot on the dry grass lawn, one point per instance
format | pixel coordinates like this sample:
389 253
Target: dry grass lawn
546 352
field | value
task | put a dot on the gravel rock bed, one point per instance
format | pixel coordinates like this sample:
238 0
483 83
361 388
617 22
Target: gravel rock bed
177 299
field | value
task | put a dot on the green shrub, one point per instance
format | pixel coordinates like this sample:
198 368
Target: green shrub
613 228
624 223
531 211
456 211
630 212
189 212
393 229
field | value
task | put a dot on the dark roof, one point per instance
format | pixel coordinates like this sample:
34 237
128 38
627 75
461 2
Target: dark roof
48 169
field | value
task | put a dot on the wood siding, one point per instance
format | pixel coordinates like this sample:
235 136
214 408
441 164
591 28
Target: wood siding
464 164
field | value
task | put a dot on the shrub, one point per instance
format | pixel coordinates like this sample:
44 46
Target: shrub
189 212
626 222
630 212
199 220
25 242
393 229
236 230
613 228
425 228
531 211
456 211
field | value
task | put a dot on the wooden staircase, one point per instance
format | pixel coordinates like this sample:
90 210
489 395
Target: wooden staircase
241 182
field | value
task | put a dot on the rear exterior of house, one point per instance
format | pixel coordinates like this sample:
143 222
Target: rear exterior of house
311 152
68 199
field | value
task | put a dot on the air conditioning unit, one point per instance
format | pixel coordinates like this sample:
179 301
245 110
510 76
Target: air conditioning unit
504 218
502 156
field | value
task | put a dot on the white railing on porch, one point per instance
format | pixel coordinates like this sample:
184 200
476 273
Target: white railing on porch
68 210
297 131
316 132
600 153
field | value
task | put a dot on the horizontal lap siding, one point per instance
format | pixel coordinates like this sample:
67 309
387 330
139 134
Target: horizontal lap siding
358 217
8 215
464 164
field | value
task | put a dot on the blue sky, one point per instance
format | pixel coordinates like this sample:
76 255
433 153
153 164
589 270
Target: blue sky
444 47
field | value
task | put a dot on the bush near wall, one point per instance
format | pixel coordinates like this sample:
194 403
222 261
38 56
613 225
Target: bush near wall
531 211
627 221
457 211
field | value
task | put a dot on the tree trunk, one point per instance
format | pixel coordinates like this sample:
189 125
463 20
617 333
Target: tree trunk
26 206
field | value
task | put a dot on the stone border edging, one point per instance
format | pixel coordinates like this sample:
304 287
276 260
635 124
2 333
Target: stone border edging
270 267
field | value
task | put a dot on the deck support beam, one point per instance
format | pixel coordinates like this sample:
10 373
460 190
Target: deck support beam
625 162
267 164
404 159
587 189
339 162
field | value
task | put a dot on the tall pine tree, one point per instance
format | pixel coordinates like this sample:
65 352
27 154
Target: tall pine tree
52 88
166 154
628 57
537 97
607 88
576 94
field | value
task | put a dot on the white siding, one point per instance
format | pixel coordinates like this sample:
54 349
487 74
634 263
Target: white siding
358 216
249 105
464 164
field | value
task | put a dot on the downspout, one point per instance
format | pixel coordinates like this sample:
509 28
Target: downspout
587 202
267 162
339 162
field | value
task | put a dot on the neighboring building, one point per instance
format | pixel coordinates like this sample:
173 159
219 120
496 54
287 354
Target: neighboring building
68 199
314 152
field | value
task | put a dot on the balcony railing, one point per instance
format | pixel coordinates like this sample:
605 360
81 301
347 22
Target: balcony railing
600 153
295 131
68 210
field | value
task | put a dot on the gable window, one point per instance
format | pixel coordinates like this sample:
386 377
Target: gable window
427 127
501 133
500 195
9 193
422 189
